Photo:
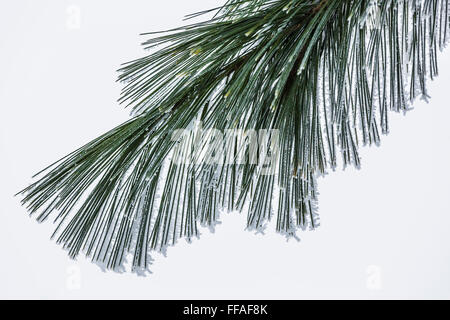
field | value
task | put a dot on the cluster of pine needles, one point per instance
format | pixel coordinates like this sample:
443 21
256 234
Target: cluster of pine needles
323 73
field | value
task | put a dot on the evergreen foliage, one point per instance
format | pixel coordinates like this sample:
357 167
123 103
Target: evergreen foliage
325 73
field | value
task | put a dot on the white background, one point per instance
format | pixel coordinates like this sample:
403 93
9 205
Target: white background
385 230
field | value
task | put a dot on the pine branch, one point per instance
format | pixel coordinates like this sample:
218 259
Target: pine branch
324 74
